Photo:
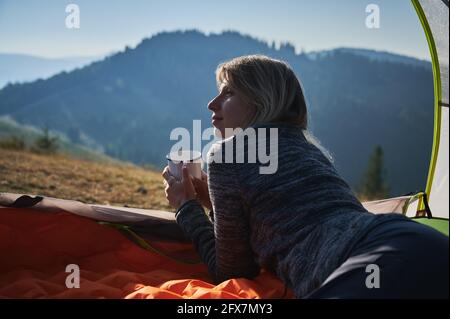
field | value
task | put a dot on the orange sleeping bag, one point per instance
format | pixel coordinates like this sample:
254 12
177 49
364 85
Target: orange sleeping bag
36 247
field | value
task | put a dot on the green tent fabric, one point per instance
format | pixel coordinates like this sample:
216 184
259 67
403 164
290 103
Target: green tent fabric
434 16
434 201
437 223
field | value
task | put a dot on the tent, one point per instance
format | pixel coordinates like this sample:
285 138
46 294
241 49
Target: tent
434 18
134 253
434 201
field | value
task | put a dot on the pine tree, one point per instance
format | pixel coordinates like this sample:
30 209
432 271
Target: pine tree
374 185
46 143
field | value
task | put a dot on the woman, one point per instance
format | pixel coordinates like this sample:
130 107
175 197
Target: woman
302 222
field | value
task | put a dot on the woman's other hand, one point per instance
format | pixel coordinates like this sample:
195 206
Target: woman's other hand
201 188
178 192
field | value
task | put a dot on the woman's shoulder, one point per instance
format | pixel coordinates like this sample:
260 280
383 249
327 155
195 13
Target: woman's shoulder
263 137
257 147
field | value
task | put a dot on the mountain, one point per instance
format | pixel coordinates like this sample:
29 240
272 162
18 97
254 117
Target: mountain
26 68
129 102
373 55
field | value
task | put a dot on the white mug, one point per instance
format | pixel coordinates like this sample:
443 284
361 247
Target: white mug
192 159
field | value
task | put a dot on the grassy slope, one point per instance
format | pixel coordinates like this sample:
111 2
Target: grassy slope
29 134
64 177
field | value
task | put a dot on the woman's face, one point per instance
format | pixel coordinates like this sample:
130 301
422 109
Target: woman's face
228 111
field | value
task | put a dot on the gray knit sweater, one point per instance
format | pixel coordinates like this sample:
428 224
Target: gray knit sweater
299 223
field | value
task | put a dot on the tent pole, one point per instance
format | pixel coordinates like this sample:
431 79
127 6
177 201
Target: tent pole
437 99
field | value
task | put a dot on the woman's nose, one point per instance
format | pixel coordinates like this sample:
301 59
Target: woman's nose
213 105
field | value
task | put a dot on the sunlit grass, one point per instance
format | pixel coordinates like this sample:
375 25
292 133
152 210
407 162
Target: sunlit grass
64 177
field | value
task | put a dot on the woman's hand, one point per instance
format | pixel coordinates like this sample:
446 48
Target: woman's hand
201 188
178 192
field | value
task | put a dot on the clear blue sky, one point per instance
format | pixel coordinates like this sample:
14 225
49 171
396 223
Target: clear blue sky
37 27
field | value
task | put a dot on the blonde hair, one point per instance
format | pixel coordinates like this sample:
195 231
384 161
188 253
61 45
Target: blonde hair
271 89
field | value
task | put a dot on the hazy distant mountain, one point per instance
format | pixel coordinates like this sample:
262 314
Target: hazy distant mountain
129 102
25 68
381 56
